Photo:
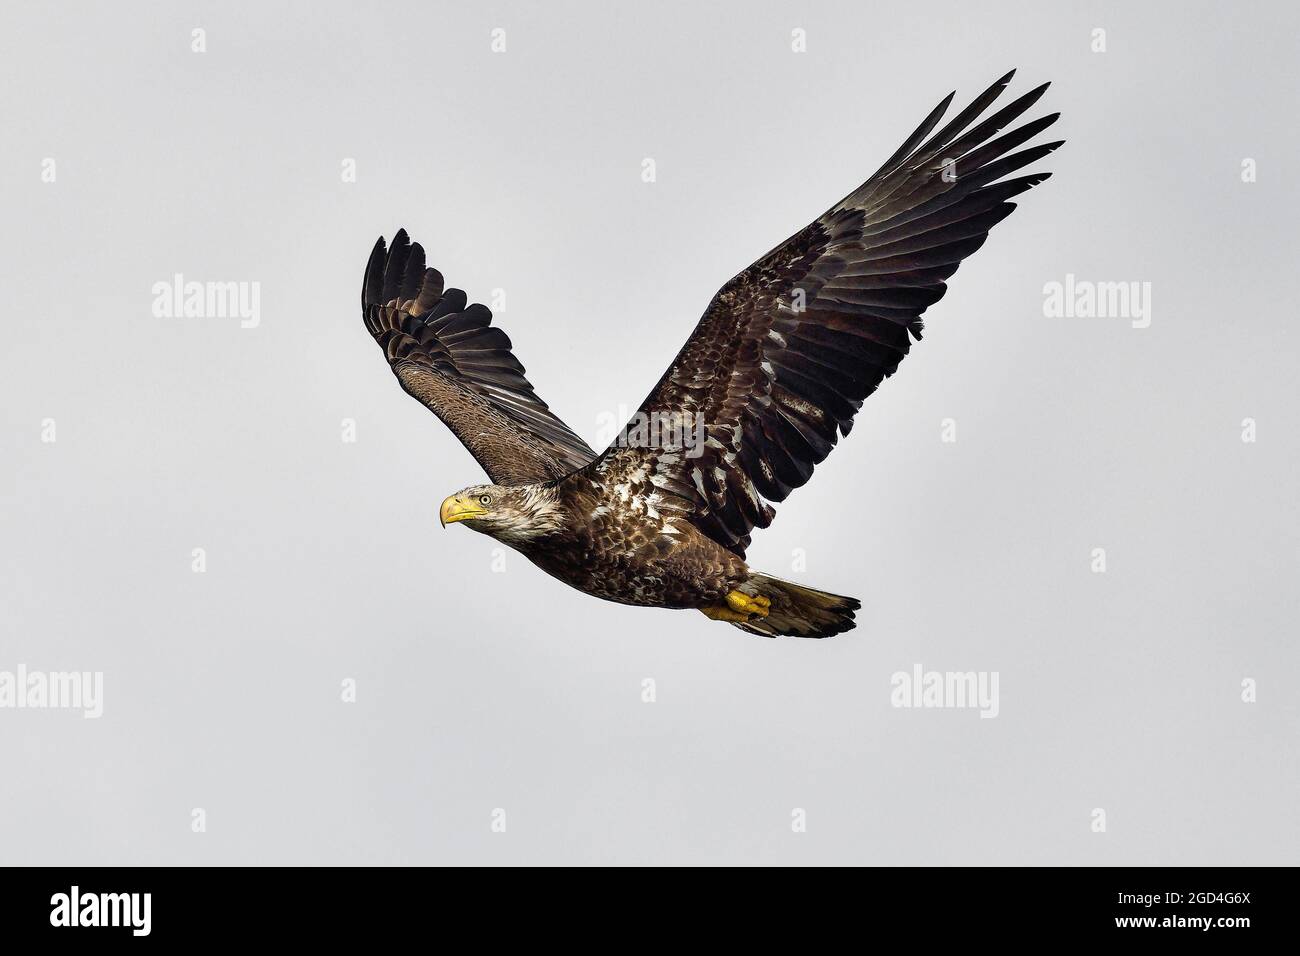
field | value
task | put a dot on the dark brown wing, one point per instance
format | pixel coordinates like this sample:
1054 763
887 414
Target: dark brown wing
788 349
447 354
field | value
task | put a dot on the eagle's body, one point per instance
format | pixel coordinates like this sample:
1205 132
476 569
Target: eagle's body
765 386
618 546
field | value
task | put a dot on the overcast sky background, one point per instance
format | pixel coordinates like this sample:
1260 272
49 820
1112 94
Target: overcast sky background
521 171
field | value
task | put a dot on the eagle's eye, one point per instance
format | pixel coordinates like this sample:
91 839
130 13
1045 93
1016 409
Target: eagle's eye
485 499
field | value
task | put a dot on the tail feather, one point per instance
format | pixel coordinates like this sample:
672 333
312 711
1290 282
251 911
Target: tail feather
798 611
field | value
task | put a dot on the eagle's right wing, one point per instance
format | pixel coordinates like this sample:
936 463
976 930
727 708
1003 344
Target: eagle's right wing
787 350
447 355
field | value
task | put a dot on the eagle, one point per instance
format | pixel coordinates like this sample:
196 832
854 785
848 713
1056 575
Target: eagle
762 391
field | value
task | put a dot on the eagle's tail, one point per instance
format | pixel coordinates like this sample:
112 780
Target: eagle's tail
798 611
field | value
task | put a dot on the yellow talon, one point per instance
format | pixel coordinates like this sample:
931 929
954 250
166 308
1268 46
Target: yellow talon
739 601
740 607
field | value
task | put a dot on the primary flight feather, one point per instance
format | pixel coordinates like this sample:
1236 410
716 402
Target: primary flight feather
758 396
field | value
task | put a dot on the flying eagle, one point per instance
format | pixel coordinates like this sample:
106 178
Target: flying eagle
759 394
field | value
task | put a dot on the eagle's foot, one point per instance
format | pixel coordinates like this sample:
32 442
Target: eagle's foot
740 607
755 606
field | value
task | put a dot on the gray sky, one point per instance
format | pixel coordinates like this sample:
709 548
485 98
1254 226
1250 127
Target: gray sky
521 171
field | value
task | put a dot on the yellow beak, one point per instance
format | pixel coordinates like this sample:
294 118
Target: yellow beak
458 508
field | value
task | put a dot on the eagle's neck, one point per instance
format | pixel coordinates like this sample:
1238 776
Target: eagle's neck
542 515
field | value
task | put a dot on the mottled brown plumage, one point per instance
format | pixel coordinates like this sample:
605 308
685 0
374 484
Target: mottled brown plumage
773 375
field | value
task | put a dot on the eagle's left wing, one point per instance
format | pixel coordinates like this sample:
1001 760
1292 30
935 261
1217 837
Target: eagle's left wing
448 356
787 350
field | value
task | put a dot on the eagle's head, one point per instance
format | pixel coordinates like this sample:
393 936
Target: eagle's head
514 514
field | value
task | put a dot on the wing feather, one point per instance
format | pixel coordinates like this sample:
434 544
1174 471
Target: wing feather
788 349
448 355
